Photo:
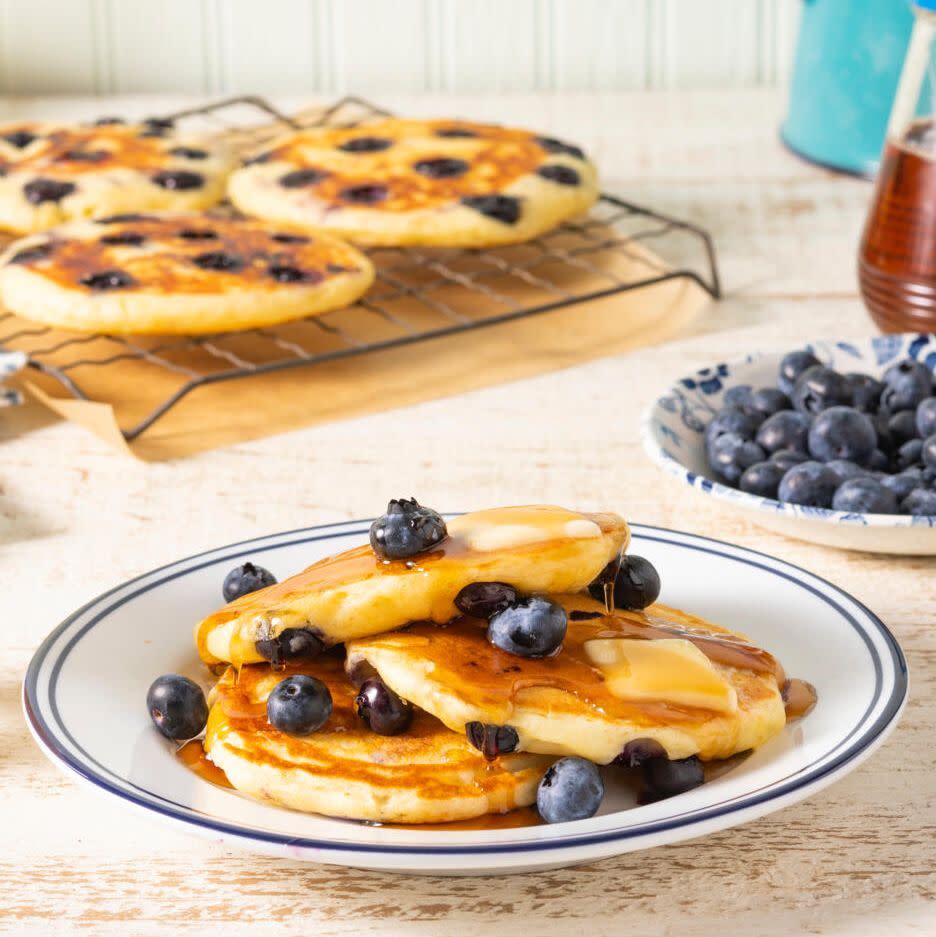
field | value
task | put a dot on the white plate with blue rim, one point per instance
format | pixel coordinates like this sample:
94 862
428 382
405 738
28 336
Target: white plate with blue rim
85 689
673 435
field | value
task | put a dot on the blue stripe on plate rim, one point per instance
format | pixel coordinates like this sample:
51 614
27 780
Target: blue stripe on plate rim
849 749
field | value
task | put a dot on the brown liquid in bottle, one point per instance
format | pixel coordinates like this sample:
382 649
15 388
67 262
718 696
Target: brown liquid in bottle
897 261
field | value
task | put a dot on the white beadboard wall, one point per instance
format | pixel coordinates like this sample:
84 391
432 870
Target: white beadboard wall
310 46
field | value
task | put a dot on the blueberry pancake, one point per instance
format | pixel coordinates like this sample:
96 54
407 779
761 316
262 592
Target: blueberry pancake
439 183
358 593
52 173
426 774
178 274
621 678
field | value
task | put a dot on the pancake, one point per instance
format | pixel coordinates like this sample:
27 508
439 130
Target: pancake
356 594
439 183
52 173
428 774
178 274
693 687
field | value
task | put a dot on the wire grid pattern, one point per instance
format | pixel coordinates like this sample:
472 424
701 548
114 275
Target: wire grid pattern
419 293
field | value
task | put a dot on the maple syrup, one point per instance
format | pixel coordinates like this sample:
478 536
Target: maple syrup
799 698
193 756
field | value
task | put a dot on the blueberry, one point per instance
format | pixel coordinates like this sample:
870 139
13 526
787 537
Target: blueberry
769 400
571 789
810 483
902 426
123 218
786 429
731 419
663 778
561 175
787 458
864 496
929 451
534 627
926 417
881 423
637 751
107 280
762 478
188 152
46 190
108 121
454 132
819 388
125 238
738 396
381 710
844 470
31 254
220 261
197 234
636 583
365 145
300 178
19 138
84 156
503 208
906 385
290 644
178 180
552 145
492 740
442 167
792 366
365 194
842 433
730 455
245 579
406 529
286 273
902 484
177 707
878 461
920 503
866 391
289 238
486 599
299 705
157 126
910 453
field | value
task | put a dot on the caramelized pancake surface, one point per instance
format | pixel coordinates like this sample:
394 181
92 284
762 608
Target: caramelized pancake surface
355 594
397 182
428 774
663 674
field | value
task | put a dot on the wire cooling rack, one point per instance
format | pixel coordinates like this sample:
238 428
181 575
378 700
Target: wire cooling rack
419 294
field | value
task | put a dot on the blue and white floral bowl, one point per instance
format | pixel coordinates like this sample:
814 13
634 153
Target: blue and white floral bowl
673 434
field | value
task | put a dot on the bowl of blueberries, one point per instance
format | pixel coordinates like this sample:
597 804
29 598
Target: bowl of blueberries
834 442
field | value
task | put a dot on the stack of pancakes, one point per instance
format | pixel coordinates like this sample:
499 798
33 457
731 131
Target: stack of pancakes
620 675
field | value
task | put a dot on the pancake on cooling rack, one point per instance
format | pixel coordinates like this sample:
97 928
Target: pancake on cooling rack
450 669
435 183
52 173
178 274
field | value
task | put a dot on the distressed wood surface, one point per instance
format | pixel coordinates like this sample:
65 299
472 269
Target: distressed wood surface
75 518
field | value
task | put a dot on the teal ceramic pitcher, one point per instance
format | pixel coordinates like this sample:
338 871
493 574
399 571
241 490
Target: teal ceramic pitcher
848 59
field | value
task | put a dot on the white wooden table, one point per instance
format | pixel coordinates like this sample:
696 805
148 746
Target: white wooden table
75 518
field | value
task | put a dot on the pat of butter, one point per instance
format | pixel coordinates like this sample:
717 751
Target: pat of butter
671 670
501 529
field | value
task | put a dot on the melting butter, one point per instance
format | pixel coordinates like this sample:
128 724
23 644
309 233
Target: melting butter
513 528
670 670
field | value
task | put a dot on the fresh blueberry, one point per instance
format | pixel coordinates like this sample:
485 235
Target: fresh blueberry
906 385
730 455
177 706
902 426
571 789
842 433
244 579
810 483
290 644
792 366
492 740
299 705
636 582
881 423
864 496
902 483
819 388
866 391
910 453
381 710
844 470
787 458
534 627
926 417
738 396
786 429
486 599
744 422
921 502
769 400
406 529
878 461
929 451
637 751
663 778
762 478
